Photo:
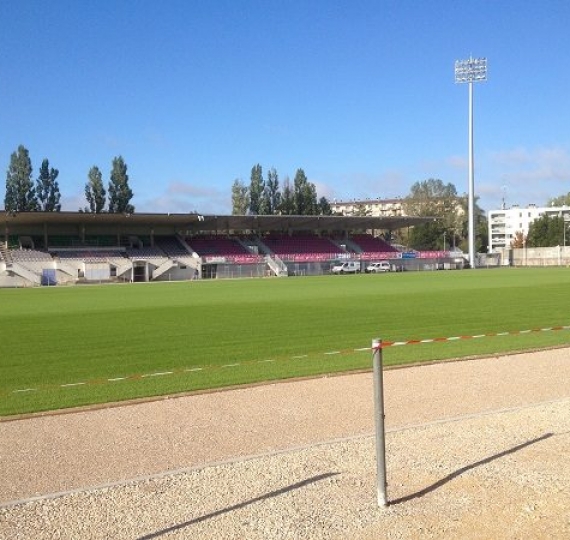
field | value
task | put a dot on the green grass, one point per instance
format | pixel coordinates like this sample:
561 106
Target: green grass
55 336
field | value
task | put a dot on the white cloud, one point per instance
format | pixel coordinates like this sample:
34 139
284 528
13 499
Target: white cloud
184 197
523 176
540 164
457 162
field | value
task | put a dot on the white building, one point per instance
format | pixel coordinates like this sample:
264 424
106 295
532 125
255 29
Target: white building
369 207
505 223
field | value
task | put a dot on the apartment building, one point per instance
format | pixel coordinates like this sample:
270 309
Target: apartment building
368 207
505 223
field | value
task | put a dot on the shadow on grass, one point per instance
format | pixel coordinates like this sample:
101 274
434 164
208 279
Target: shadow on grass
238 506
459 472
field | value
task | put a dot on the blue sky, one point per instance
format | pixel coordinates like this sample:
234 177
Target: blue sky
360 94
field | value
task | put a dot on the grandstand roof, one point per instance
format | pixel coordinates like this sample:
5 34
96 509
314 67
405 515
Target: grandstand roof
203 222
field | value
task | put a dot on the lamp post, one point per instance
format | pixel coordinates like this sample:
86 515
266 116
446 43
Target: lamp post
470 71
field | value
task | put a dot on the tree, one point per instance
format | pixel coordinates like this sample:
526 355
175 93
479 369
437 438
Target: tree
47 189
324 207
481 232
240 198
20 191
94 191
287 205
433 198
518 240
561 200
256 189
546 232
120 194
427 237
304 195
271 196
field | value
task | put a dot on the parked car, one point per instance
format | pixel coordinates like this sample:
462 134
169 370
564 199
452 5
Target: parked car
382 266
350 267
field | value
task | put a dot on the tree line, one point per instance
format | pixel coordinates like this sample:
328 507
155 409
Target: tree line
265 196
23 194
545 231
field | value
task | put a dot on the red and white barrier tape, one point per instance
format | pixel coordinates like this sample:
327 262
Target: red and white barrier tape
384 344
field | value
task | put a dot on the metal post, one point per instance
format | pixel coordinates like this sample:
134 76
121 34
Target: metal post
470 71
471 182
379 421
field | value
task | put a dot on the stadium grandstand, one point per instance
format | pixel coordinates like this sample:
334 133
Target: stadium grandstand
64 248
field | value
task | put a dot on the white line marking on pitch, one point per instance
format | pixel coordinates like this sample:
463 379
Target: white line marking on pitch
158 374
117 379
262 361
230 365
332 352
300 356
25 390
194 369
362 349
71 384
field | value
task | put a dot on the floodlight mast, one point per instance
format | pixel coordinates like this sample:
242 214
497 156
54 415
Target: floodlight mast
470 71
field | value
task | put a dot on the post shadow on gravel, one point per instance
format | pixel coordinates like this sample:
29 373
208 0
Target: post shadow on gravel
459 472
238 506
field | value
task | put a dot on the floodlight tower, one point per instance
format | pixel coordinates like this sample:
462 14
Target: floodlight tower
470 71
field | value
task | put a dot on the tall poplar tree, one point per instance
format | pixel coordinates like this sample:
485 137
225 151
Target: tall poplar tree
120 194
287 205
304 195
20 191
94 191
240 198
256 189
271 195
47 189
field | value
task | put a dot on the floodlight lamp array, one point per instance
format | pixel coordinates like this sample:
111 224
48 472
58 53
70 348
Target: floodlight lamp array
472 70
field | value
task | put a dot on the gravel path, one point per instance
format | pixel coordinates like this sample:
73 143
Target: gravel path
476 449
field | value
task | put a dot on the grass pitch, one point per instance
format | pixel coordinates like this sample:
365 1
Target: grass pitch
64 347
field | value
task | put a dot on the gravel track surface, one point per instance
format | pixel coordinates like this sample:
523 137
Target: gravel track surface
475 449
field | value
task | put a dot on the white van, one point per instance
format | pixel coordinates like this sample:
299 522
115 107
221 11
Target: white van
351 267
382 266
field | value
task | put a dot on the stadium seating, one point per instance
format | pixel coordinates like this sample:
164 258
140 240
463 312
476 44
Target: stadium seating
212 248
171 246
29 255
302 248
368 242
145 252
